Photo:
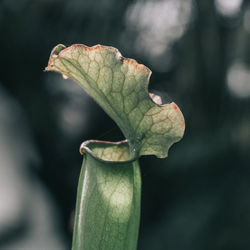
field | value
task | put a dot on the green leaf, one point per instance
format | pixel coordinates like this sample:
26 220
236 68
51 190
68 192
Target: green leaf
120 86
108 198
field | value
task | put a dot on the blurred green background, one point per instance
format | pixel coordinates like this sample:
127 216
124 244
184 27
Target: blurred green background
196 199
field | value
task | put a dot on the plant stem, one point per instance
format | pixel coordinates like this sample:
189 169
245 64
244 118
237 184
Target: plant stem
108 205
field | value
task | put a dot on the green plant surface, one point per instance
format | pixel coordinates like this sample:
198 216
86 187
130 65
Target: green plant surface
120 86
108 197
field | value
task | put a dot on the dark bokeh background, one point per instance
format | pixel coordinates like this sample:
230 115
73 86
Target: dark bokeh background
196 199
